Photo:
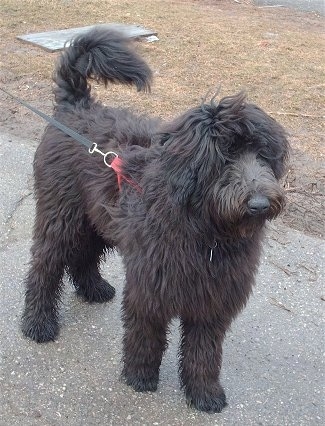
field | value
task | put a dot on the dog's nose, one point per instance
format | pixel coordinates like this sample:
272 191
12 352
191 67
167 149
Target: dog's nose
258 204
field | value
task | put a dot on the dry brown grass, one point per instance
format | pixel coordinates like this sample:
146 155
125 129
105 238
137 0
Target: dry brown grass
277 55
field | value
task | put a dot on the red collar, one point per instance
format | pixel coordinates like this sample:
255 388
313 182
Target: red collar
116 165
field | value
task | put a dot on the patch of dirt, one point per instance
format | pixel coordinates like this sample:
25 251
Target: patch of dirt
276 55
305 188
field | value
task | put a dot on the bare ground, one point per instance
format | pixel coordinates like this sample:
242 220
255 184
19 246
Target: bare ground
276 55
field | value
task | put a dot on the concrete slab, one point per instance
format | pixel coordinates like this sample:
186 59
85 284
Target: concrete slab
53 41
273 355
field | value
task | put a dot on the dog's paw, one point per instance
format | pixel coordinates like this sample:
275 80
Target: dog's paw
40 330
142 384
97 293
207 403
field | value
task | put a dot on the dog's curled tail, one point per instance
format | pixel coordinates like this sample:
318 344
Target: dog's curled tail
102 55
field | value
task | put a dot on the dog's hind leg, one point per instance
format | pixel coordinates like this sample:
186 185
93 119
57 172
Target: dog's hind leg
83 268
200 363
43 287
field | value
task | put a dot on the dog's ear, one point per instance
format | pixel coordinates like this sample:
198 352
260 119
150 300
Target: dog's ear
270 139
190 155
182 184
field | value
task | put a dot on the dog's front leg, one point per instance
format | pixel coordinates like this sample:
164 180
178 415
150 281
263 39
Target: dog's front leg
144 341
200 363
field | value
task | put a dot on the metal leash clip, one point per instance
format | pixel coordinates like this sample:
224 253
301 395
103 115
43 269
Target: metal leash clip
94 148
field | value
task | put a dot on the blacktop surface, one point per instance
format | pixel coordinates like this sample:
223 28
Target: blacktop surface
273 355
317 6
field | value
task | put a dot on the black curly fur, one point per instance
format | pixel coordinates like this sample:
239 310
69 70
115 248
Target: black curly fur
104 56
190 237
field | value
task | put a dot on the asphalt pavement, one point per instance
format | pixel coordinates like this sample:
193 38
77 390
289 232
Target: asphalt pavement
316 6
272 371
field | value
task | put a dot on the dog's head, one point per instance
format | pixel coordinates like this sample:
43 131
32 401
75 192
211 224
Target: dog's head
224 161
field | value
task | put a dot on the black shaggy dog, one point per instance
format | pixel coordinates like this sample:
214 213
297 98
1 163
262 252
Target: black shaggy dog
185 203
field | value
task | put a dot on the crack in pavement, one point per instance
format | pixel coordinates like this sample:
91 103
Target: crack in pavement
8 224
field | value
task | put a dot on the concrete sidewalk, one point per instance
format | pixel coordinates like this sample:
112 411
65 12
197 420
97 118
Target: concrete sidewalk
272 358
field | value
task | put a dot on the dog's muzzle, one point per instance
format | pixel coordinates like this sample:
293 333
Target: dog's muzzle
258 204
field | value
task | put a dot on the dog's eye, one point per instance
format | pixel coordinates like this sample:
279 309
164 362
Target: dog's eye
268 154
164 139
262 155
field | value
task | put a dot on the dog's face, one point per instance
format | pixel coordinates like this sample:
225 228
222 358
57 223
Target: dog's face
224 163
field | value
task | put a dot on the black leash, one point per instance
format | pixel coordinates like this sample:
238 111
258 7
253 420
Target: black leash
52 121
92 147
